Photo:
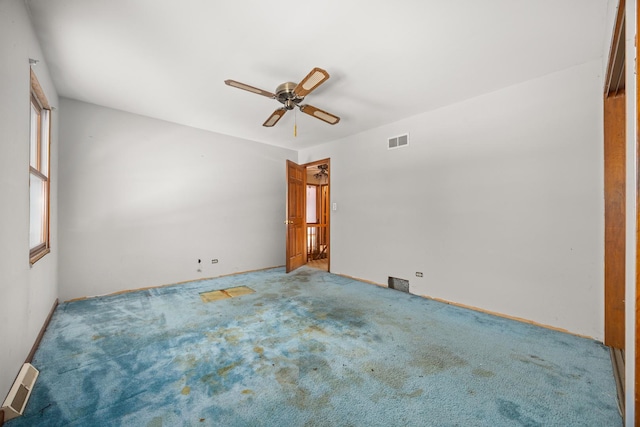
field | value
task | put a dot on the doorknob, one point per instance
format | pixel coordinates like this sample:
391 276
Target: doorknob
288 222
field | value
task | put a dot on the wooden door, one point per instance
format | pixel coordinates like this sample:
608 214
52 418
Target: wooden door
614 219
615 209
296 221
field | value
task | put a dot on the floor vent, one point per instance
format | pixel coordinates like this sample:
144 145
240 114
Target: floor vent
398 141
18 396
398 284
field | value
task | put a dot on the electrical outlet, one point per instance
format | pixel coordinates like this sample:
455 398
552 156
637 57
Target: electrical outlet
214 261
418 273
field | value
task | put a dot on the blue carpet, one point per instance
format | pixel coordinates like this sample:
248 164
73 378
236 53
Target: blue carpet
309 349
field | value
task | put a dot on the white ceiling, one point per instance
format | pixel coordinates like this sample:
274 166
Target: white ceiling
387 59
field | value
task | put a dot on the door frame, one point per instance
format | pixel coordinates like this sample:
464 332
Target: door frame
316 163
614 104
295 219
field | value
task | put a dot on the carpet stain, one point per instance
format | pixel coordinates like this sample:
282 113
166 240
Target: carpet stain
287 376
433 359
232 336
479 372
394 378
222 372
259 350
313 365
210 380
350 317
314 328
155 422
416 393
247 391
511 411
321 315
533 360
315 346
189 361
186 390
212 336
303 399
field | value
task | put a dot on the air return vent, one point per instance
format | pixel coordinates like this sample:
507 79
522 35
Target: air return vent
398 141
18 396
398 284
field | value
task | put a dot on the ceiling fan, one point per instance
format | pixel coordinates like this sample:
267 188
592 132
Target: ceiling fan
290 95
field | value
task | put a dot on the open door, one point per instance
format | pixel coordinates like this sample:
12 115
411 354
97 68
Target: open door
615 188
614 219
615 176
296 221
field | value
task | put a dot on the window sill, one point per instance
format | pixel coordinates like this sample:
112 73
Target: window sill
38 254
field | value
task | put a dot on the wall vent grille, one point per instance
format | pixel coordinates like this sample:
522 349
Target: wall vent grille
398 284
18 396
398 141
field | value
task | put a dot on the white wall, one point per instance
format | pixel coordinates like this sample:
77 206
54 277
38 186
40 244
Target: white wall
498 200
27 294
141 200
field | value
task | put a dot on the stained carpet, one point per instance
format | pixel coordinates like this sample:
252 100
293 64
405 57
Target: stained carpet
309 349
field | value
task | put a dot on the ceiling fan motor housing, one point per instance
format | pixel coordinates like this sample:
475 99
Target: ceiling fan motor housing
285 94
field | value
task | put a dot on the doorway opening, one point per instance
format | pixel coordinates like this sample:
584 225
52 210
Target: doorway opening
317 215
308 220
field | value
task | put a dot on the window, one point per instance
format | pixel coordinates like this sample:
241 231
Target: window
312 211
39 135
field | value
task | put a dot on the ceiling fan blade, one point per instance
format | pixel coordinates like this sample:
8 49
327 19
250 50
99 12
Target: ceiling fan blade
243 86
319 114
274 117
315 78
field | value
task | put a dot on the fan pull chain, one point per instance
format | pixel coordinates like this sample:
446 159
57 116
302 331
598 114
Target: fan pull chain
295 123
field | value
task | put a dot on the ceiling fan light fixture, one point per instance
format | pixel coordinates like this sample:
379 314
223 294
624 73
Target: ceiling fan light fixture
291 95
322 172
